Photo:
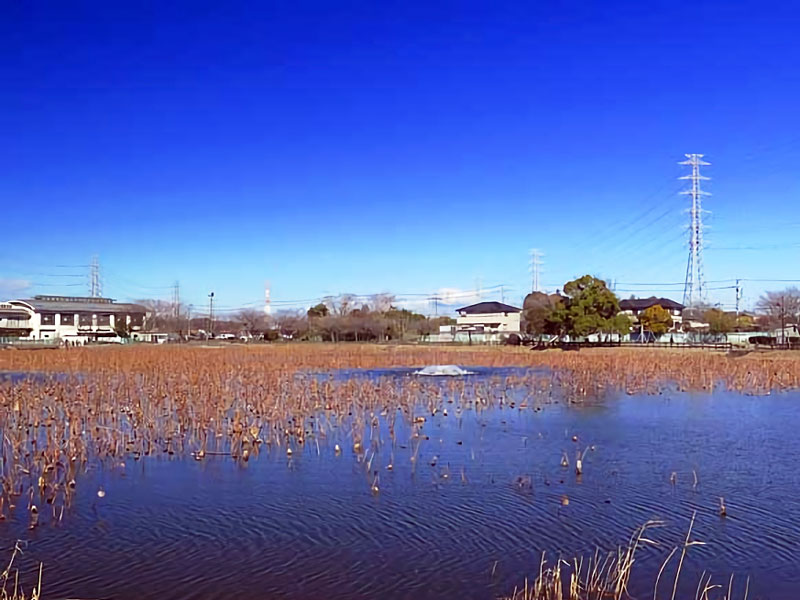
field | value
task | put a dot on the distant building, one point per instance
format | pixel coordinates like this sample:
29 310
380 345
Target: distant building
487 321
69 318
635 306
15 322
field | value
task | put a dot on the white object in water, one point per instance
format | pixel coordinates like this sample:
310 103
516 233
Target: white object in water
443 370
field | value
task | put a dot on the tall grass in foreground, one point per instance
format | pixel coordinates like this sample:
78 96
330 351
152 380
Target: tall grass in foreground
10 590
606 577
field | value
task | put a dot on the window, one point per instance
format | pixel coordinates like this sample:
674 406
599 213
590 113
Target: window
85 320
137 320
68 319
103 320
48 319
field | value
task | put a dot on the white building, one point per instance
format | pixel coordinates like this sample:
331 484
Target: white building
487 322
68 318
15 322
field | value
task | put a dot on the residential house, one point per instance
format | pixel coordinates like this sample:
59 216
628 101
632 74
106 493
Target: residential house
487 322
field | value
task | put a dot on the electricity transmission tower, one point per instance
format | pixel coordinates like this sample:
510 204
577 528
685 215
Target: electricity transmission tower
536 263
435 300
694 288
176 300
95 290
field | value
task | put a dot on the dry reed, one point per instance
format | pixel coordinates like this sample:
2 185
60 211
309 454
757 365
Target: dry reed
606 576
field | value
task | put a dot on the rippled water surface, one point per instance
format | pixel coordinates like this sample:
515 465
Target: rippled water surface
457 525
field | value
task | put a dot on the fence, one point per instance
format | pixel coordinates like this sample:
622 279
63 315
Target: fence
10 342
725 346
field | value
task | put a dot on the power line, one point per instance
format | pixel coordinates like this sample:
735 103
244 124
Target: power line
613 234
758 247
631 241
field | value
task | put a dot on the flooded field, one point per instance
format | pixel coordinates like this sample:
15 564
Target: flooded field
286 478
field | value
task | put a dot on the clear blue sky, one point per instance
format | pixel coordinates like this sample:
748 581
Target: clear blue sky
392 146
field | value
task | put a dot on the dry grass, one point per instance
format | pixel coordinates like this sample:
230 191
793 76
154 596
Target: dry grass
634 370
9 580
606 577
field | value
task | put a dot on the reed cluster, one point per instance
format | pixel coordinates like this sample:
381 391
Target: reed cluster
9 580
606 576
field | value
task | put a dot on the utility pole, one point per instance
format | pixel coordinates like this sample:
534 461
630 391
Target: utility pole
694 287
211 314
267 300
536 263
94 278
189 321
782 306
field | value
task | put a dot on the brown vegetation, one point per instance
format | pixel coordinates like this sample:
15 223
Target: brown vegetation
606 576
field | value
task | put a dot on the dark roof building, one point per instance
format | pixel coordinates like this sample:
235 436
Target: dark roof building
485 308
636 305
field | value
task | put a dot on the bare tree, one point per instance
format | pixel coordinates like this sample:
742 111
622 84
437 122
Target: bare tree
781 306
251 320
163 315
340 305
292 325
381 302
330 327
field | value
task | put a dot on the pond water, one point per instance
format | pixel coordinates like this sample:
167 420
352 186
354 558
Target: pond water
457 524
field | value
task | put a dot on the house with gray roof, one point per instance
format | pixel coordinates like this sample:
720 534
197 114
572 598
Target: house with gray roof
487 321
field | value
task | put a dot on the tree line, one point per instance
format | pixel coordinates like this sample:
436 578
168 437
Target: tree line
343 318
587 306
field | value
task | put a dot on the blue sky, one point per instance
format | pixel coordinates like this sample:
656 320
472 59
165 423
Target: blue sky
393 147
